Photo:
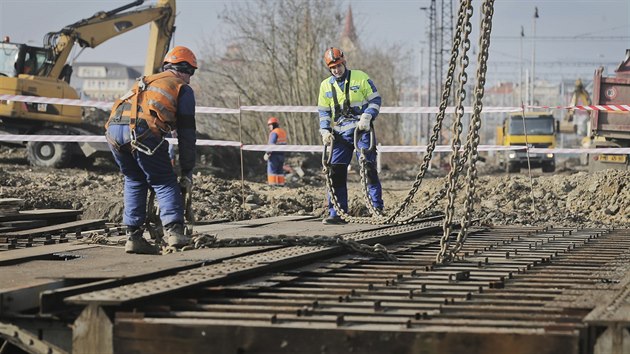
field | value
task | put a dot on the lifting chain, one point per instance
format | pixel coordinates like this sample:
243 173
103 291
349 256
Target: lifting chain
463 25
211 241
472 143
467 158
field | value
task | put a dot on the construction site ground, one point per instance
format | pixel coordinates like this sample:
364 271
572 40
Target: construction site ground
569 197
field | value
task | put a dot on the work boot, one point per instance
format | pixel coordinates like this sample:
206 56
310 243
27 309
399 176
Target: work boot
136 243
174 234
334 220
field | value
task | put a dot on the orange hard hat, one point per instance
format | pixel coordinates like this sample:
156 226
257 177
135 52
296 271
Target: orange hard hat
334 56
181 54
273 120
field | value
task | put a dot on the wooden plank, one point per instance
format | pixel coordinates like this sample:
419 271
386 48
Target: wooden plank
93 332
68 226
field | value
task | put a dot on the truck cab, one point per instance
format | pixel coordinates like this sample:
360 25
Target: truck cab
536 129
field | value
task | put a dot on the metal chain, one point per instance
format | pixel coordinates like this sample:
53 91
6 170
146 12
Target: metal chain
211 241
473 138
363 172
100 239
462 22
475 121
455 160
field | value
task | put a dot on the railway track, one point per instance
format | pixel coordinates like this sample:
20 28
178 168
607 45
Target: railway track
514 289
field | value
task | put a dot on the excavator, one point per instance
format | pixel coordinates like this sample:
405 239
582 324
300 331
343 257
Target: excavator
44 71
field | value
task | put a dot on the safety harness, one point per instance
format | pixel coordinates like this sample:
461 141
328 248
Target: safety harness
342 111
156 108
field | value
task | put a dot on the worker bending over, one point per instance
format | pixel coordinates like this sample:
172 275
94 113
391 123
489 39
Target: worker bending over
156 105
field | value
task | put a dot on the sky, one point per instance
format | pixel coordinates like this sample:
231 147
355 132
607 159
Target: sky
578 33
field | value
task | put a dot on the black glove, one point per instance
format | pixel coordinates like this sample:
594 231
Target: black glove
185 183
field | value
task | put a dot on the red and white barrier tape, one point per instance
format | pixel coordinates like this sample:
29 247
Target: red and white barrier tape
622 108
310 148
308 109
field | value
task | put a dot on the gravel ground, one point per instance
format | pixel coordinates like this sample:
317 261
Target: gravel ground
565 198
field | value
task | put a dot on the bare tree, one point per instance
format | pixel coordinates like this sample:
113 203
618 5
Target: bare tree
275 58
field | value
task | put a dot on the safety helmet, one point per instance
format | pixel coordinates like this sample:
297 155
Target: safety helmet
273 120
181 54
334 56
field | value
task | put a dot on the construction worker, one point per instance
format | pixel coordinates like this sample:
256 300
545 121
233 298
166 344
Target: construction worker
275 159
137 126
348 100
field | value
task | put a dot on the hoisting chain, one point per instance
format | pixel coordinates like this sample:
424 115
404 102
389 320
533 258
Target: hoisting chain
363 170
463 22
455 162
211 241
472 143
327 170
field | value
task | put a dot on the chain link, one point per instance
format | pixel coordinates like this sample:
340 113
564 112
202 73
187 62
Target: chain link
458 160
211 241
463 23
473 138
99 239
455 160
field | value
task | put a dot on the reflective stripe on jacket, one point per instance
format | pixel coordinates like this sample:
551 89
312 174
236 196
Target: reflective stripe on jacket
364 98
156 103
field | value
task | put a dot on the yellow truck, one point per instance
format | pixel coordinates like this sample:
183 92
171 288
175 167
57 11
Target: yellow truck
538 130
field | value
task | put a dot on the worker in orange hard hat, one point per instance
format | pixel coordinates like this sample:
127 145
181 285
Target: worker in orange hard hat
348 102
157 105
275 159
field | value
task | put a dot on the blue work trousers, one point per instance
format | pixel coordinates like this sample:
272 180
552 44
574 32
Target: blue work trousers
342 155
141 171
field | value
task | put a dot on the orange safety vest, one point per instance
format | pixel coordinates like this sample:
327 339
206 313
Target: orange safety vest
152 98
282 136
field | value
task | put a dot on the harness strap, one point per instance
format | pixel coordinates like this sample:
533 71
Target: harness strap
346 104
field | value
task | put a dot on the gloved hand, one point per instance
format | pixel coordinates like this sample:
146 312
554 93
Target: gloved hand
327 137
364 122
185 183
266 156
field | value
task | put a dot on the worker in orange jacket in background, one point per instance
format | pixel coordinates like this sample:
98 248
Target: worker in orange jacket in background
275 159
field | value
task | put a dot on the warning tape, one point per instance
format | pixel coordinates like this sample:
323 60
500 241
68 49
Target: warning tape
308 109
99 139
608 107
313 148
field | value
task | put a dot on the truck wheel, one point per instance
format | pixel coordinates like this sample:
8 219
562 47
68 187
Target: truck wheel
48 154
513 167
548 167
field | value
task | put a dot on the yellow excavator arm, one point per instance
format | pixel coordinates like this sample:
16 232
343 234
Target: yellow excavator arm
93 31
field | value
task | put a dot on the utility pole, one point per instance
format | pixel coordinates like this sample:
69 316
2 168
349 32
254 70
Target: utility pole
520 78
436 49
533 99
420 115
